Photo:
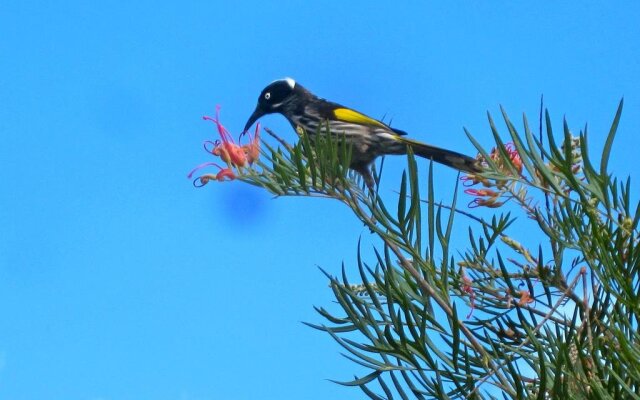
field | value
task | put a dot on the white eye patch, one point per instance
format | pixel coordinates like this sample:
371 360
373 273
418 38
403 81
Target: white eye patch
267 95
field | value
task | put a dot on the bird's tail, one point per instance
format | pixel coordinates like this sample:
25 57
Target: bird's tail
447 157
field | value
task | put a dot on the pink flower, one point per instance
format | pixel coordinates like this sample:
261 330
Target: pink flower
525 298
482 192
484 198
223 173
488 197
468 289
227 149
252 149
511 151
233 154
489 203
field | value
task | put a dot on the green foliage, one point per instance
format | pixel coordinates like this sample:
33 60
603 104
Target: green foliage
489 318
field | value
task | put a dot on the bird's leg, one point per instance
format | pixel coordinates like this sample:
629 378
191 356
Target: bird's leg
368 180
366 175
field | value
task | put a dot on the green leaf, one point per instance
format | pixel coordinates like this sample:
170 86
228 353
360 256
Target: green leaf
609 142
360 381
542 168
402 201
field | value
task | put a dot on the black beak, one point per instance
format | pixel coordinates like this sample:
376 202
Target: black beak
257 113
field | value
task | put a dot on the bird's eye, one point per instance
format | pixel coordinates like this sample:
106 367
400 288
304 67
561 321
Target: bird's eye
267 96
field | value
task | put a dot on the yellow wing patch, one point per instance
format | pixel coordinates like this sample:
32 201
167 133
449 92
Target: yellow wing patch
348 115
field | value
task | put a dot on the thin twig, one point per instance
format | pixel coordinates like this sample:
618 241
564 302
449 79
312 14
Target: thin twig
432 293
495 294
535 330
279 139
585 299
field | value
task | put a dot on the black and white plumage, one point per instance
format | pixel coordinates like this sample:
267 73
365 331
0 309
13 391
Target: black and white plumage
369 138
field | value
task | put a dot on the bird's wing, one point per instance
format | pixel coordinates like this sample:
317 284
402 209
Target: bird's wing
348 115
345 114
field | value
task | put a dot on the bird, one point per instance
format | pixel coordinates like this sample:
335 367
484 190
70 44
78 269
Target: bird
368 137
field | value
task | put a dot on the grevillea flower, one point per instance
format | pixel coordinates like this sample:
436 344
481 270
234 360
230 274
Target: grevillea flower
487 197
514 156
252 149
468 289
205 178
236 156
496 157
525 298
482 192
226 148
500 162
484 198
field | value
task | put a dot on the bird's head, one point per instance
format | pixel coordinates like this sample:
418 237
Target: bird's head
273 99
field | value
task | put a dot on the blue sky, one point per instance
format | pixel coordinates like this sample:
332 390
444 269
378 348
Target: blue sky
119 280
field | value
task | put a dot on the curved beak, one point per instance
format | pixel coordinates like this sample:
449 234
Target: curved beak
257 113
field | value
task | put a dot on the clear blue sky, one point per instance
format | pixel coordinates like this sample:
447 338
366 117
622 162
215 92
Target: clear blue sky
119 280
